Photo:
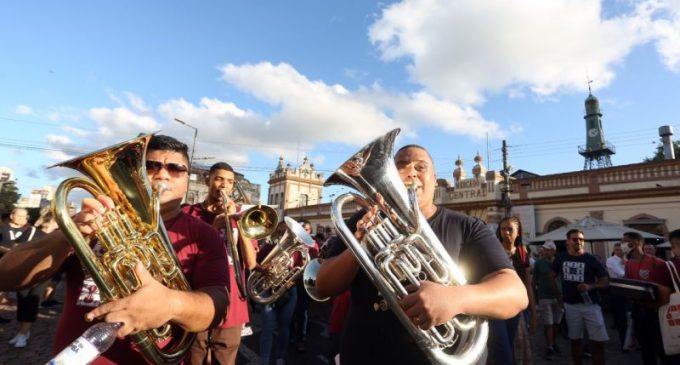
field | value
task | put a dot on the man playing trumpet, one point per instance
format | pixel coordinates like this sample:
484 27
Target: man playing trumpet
223 342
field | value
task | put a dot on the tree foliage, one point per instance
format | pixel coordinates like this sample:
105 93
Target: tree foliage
658 155
9 196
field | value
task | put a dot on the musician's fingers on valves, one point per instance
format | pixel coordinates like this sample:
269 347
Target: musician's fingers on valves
366 222
92 208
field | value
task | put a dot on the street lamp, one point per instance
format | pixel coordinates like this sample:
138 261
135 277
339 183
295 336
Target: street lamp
193 145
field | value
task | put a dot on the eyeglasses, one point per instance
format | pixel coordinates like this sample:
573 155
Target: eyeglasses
172 168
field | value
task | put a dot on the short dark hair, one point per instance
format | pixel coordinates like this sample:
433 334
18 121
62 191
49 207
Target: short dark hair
634 236
572 231
159 142
306 222
674 235
221 166
415 146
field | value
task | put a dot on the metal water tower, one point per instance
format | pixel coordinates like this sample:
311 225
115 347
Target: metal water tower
597 150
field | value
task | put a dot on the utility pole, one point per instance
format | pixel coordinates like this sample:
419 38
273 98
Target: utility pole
505 188
193 145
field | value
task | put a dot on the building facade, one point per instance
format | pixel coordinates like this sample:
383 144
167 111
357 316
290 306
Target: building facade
295 187
645 196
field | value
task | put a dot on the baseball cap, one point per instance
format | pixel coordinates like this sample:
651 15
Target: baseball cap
550 245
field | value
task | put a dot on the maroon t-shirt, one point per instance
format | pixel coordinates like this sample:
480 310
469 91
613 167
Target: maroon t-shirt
237 314
662 275
201 255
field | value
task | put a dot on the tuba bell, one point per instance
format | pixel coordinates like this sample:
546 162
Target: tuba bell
266 285
402 248
309 280
130 233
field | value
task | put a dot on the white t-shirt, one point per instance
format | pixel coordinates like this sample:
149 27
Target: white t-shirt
616 266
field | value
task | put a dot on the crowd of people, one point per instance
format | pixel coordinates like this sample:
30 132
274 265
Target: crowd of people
564 291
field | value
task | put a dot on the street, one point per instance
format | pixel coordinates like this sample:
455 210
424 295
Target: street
39 346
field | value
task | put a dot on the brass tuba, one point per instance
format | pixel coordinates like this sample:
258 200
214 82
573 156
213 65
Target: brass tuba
403 249
266 285
132 232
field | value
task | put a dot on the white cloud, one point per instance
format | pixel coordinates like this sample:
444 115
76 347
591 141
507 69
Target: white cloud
64 114
123 122
23 110
345 116
76 131
462 49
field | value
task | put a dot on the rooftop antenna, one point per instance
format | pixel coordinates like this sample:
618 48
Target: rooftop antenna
589 81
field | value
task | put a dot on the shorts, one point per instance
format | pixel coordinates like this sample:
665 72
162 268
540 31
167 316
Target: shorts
590 315
551 312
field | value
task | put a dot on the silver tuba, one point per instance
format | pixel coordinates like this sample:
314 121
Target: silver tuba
311 272
266 285
403 248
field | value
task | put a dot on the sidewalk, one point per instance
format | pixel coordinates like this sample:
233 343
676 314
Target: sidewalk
39 348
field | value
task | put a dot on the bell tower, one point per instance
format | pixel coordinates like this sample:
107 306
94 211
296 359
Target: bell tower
597 150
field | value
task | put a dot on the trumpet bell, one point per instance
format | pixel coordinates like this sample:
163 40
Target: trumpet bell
258 222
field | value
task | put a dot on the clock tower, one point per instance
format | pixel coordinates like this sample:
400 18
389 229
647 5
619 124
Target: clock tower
597 150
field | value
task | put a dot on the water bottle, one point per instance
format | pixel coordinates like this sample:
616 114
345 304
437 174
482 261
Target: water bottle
87 347
586 297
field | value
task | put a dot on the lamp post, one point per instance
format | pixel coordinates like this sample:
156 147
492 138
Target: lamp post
193 145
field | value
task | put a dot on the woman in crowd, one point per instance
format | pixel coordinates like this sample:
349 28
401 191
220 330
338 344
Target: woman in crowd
509 341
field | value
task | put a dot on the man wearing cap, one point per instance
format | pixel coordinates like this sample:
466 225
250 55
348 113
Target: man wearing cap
551 310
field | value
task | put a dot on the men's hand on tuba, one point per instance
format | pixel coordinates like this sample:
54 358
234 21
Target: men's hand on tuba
366 222
147 308
92 209
431 304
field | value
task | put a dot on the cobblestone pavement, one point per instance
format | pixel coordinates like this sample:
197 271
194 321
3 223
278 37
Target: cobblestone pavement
39 347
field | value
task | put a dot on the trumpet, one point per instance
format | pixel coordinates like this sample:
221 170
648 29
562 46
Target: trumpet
254 223
131 233
265 286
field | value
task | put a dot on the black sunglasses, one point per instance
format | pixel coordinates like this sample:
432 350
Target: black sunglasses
155 166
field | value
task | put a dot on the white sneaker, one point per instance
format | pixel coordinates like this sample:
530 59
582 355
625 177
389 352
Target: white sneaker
21 340
13 340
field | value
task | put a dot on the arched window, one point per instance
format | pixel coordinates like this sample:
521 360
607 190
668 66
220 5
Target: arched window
554 224
303 200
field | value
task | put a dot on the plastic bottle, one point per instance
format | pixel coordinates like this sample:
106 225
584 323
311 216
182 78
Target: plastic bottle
586 297
89 345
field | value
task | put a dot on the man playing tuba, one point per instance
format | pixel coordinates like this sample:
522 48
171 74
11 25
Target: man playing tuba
372 333
223 342
198 248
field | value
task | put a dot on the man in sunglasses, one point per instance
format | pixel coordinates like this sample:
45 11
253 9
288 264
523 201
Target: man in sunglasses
581 275
197 245
223 342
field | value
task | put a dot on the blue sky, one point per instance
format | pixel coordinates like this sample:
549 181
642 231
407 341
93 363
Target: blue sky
261 79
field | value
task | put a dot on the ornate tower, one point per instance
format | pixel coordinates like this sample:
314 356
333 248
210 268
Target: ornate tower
597 150
292 188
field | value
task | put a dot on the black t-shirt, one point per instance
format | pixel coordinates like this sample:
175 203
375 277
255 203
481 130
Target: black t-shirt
373 336
9 235
574 270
